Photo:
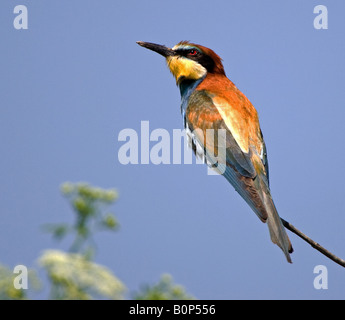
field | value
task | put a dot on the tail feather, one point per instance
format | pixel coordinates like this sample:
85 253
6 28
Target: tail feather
277 231
257 194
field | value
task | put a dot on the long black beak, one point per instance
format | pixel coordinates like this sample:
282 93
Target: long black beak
162 50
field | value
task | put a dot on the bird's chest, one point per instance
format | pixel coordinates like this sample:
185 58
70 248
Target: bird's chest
186 89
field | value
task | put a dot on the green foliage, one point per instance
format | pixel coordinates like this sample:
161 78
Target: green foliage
165 289
7 289
74 274
88 204
74 277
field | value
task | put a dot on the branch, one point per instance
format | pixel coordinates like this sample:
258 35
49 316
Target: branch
314 244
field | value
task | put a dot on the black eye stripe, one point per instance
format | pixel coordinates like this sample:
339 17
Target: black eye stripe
185 51
199 57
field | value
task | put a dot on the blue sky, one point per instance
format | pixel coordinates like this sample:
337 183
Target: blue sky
76 78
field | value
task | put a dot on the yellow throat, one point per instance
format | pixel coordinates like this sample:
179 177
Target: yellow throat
183 67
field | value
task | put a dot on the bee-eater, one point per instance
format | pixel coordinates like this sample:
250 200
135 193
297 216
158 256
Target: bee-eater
209 100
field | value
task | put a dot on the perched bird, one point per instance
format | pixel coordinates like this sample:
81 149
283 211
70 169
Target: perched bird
209 100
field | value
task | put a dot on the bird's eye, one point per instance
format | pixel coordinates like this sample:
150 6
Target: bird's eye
192 52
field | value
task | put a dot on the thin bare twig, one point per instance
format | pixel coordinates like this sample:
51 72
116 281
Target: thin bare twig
314 244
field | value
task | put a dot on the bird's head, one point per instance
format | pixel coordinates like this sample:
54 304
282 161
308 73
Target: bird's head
188 61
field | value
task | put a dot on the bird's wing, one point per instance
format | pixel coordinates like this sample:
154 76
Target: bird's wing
245 166
202 116
243 163
240 118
